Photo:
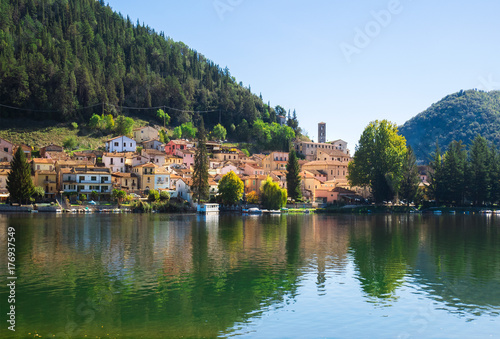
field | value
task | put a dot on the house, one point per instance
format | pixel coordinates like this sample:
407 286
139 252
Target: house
183 188
6 150
334 169
173 159
56 155
134 159
26 150
275 161
152 176
85 180
330 195
308 148
187 156
174 145
227 167
47 179
3 183
153 144
114 161
332 155
309 184
145 133
50 148
125 181
41 164
281 120
154 156
253 182
121 144
226 154
86 155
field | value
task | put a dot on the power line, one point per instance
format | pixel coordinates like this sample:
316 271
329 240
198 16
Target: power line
108 104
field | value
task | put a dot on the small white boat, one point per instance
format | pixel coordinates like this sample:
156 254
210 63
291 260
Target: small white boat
254 210
275 211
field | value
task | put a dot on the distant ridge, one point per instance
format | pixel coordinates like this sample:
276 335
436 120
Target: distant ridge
458 116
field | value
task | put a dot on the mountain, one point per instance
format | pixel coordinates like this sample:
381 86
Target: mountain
66 59
458 116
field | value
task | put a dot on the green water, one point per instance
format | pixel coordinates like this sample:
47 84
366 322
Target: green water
295 276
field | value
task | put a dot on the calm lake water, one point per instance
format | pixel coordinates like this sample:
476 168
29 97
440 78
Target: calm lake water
292 276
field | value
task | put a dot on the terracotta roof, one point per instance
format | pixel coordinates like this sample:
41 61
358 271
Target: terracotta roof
43 161
123 175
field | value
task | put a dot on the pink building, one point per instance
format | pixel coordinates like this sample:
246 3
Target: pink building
6 150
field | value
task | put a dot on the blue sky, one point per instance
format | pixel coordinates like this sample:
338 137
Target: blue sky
342 62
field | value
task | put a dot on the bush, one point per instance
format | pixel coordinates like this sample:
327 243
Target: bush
153 195
164 196
74 125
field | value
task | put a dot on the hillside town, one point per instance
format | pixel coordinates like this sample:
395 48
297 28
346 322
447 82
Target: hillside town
141 163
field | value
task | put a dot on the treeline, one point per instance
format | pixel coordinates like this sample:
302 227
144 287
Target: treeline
460 176
58 57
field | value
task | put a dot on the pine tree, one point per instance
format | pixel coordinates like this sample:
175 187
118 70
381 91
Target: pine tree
409 183
293 179
480 171
200 185
19 183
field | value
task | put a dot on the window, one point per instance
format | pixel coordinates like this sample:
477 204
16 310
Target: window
37 167
93 178
46 178
124 144
5 149
130 144
116 144
111 161
121 160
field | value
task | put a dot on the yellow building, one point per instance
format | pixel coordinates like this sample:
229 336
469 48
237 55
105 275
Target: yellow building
48 181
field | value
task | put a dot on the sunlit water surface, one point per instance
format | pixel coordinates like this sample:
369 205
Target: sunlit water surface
291 276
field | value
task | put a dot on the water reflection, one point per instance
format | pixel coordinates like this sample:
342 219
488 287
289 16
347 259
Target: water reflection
170 276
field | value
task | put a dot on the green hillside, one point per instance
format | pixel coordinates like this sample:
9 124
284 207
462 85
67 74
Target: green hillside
64 60
458 116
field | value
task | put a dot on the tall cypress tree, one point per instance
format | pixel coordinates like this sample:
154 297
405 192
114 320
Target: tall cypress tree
19 183
200 185
293 179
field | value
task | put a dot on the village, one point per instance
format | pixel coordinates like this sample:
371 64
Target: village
141 163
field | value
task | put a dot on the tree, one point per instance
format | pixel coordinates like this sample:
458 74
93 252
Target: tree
70 143
231 188
38 193
95 121
272 196
164 196
124 125
164 117
435 176
410 179
293 179
118 195
454 169
188 130
177 134
162 134
153 195
108 121
219 132
378 160
253 198
200 185
480 168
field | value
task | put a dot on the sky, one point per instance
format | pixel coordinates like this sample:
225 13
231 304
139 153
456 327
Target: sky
345 63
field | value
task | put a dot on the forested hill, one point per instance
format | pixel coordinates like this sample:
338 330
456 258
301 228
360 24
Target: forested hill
66 59
459 116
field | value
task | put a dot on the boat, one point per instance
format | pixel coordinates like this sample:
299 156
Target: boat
438 212
307 211
275 212
208 209
254 210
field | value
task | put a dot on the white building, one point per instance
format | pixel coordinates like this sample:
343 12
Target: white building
121 144
145 133
114 161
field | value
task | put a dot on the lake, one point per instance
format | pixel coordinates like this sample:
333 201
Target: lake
289 276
